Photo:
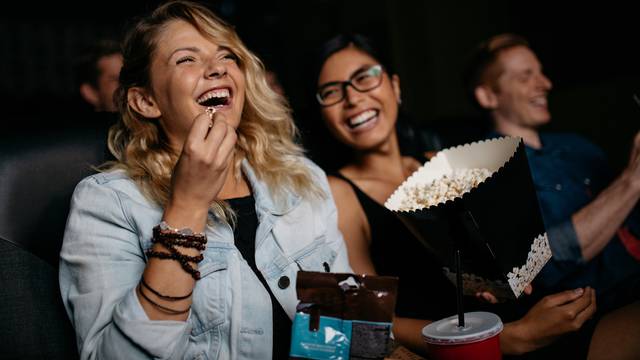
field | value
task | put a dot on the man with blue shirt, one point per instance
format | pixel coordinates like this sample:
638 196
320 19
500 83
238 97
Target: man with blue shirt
589 214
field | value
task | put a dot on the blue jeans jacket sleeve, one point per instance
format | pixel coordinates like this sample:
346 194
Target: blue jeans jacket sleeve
101 264
566 253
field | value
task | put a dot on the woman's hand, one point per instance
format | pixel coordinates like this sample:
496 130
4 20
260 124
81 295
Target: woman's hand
487 296
553 316
201 170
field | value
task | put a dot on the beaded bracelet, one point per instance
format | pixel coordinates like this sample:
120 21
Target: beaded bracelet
182 259
185 243
175 255
170 238
165 230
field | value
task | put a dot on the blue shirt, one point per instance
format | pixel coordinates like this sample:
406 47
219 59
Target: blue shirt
568 173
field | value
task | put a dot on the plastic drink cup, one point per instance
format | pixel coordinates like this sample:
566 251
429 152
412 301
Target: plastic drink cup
477 340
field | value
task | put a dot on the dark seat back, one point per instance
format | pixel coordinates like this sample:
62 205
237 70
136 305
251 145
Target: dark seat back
33 323
38 173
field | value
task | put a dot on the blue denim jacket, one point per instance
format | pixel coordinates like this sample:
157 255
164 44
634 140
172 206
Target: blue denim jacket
102 258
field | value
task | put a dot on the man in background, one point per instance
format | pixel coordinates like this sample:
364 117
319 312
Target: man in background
588 213
97 74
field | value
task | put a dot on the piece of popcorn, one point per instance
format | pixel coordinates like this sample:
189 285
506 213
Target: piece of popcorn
448 187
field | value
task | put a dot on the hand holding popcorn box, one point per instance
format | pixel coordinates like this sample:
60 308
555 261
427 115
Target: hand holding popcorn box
478 198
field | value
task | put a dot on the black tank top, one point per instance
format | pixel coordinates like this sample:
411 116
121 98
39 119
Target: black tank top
423 290
245 240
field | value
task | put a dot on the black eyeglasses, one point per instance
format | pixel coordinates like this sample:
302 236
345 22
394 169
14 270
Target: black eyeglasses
364 80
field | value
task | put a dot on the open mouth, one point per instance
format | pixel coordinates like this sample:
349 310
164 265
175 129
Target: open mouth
362 118
215 98
539 101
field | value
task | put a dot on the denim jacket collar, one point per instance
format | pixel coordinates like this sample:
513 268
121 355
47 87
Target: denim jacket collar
264 198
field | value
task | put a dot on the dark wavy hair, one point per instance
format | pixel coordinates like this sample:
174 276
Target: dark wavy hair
332 154
343 41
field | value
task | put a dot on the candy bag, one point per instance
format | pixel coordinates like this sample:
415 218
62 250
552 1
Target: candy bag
343 316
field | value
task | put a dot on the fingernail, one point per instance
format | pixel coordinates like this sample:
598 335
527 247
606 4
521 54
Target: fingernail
579 291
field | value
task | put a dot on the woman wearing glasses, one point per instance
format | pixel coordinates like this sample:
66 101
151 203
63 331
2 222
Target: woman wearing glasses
359 99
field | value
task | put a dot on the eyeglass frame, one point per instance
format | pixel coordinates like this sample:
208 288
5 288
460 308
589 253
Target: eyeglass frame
344 84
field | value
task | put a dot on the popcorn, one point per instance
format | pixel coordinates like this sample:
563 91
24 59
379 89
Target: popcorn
538 256
449 187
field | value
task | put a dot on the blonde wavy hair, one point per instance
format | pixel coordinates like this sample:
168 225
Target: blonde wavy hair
266 134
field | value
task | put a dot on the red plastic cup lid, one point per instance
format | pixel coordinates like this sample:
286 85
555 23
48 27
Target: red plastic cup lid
479 326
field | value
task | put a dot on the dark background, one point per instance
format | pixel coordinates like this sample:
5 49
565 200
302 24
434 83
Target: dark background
588 51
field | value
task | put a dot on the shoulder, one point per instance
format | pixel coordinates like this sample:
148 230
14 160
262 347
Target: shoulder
109 178
111 202
314 169
116 180
573 141
318 175
566 138
338 190
344 196
115 184
339 186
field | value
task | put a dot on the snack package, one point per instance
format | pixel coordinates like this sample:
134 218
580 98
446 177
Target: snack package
343 316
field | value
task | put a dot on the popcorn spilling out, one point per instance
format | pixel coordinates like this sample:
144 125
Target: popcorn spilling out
538 256
448 187
473 284
518 278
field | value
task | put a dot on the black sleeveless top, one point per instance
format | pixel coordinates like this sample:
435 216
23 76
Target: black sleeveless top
423 290
244 235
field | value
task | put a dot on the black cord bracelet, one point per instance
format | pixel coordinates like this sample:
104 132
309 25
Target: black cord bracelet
164 297
164 309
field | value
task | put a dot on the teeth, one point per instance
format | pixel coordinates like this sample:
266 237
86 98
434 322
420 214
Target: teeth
217 93
362 117
539 101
